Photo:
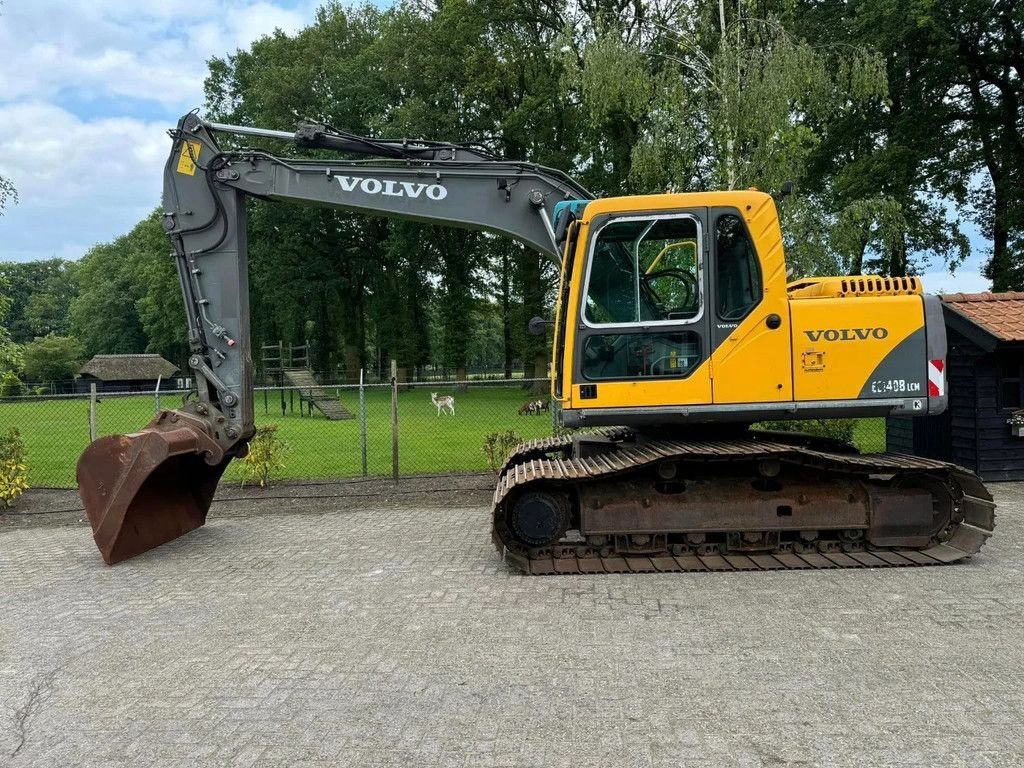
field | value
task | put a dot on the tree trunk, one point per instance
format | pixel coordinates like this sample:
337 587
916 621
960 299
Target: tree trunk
1000 268
540 368
898 259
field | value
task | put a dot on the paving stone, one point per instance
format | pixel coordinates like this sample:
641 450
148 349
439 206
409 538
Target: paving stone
299 639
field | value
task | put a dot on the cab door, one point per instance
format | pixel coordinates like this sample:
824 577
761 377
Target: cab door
642 336
751 358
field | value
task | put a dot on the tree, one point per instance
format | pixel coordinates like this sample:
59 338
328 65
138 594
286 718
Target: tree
986 112
129 300
10 353
735 99
53 358
8 194
41 293
909 152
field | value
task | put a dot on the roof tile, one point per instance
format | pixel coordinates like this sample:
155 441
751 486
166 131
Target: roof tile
1001 314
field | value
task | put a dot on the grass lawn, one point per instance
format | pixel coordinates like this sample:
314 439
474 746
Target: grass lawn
57 431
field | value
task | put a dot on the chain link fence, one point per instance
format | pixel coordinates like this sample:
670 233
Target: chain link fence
335 431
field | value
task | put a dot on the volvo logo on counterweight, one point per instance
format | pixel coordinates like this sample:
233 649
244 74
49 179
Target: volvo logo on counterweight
392 188
847 334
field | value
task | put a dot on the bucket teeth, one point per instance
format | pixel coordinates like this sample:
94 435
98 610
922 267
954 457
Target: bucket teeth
148 488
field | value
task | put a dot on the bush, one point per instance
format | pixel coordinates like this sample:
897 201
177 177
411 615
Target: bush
498 446
13 470
52 358
11 385
266 455
834 429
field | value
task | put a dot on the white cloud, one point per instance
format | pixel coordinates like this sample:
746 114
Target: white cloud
78 182
70 72
55 158
153 50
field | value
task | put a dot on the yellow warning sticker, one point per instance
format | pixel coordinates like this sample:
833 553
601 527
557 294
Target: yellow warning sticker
189 157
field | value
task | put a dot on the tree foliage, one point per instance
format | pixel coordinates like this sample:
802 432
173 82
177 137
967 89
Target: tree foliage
53 358
899 121
128 296
10 352
40 294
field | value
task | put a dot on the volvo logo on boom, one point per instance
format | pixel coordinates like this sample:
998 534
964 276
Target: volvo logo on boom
847 334
392 188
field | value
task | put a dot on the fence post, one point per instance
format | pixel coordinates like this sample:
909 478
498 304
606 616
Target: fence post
157 394
394 420
362 419
92 411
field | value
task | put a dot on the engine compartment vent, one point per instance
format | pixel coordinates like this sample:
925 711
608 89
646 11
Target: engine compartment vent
855 285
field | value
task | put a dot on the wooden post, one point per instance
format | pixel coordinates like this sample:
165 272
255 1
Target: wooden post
362 420
92 411
394 420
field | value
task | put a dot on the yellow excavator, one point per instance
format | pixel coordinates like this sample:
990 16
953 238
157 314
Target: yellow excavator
675 331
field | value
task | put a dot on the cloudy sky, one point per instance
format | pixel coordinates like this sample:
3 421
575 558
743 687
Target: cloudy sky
88 89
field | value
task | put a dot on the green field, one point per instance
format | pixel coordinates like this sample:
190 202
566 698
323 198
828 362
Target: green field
56 432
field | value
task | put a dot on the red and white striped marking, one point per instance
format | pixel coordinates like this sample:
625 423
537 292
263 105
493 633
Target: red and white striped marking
936 378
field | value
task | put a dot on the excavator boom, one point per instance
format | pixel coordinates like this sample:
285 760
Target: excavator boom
144 489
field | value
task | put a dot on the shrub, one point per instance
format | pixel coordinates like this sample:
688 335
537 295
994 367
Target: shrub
498 446
11 385
835 429
13 470
266 455
52 358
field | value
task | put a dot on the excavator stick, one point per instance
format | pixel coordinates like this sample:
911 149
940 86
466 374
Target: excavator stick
148 488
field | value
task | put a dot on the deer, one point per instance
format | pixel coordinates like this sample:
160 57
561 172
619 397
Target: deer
443 402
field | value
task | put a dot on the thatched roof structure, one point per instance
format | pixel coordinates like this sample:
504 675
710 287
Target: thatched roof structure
128 368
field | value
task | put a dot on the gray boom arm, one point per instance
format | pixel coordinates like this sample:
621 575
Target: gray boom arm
204 216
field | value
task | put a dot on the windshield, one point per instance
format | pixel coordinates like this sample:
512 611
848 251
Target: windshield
645 271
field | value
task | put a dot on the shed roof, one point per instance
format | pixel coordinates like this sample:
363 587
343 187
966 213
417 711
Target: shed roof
128 367
998 316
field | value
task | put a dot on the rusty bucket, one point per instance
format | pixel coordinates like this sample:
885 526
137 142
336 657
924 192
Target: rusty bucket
148 488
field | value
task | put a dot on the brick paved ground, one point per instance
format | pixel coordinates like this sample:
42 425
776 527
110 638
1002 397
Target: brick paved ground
286 639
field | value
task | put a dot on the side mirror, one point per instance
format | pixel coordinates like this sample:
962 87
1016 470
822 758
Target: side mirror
536 326
562 221
786 191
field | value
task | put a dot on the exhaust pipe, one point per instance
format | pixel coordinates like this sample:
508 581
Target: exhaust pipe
150 487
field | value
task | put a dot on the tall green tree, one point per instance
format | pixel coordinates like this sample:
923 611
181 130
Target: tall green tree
10 352
129 300
53 359
41 293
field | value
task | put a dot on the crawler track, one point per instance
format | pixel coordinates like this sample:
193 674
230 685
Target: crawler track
618 503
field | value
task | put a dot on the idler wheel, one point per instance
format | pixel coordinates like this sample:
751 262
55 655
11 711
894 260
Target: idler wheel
538 519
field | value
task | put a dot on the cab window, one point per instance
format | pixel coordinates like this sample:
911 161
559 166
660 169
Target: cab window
738 273
673 354
645 270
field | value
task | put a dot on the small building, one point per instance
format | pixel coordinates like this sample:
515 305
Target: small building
127 373
985 382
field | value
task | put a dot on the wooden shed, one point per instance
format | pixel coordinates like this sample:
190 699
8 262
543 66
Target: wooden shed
126 373
985 381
